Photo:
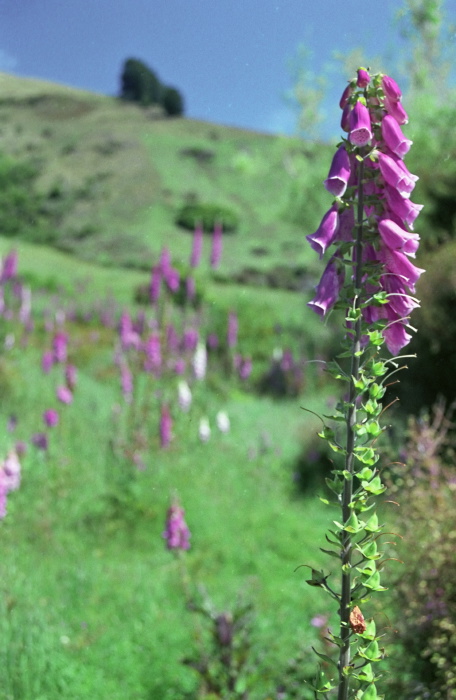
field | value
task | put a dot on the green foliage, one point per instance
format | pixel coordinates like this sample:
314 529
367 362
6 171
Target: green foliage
139 83
172 101
208 215
424 592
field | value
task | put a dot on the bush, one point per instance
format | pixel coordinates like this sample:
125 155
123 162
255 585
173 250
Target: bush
139 83
208 215
172 101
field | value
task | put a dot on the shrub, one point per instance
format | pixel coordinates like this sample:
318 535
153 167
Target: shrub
172 101
208 215
139 83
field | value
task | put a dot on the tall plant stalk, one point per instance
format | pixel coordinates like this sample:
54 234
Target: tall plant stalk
370 223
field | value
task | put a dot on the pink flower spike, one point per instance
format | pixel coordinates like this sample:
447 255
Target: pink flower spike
360 125
64 394
339 173
197 246
216 252
50 418
327 232
166 424
363 78
176 534
394 138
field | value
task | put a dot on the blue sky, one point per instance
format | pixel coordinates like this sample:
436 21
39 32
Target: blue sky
229 58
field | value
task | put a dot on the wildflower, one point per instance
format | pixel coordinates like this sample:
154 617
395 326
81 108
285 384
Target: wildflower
200 361
60 346
184 395
216 252
222 421
10 472
394 138
360 125
326 233
197 246
176 534
166 424
50 418
71 375
155 284
9 267
47 361
328 288
339 173
64 394
126 381
204 429
363 78
40 441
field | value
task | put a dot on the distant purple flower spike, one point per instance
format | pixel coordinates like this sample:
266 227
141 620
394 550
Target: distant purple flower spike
233 326
197 246
9 267
60 347
166 424
64 394
50 418
217 243
40 441
176 534
155 284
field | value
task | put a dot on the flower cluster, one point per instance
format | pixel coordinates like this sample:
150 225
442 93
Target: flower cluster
176 534
372 188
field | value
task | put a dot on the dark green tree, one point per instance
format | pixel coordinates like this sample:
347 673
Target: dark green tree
172 101
138 83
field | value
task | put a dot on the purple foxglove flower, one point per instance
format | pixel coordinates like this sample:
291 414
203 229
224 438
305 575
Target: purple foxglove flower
233 326
179 366
339 173
395 173
126 382
363 78
197 247
398 299
212 341
64 394
172 339
176 534
190 288
11 472
204 430
394 138
396 110
399 264
360 125
165 261
166 424
346 224
155 284
184 395
9 267
71 376
26 304
397 238
396 337
406 210
40 441
245 368
59 346
50 418
190 339
152 350
328 288
217 243
347 93
172 279
326 233
391 89
345 118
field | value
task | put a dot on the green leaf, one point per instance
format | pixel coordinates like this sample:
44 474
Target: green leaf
325 658
352 524
378 369
375 486
372 524
370 693
366 674
331 552
369 550
365 473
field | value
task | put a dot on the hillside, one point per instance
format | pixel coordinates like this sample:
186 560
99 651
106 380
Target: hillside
113 176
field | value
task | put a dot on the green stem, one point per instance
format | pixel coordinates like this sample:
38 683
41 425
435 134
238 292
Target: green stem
346 537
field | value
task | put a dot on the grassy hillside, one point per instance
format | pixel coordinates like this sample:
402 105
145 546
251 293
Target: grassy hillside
114 175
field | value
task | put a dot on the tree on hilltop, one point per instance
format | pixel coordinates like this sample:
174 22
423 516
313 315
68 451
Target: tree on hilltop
139 83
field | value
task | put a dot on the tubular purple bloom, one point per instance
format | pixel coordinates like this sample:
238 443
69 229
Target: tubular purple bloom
176 534
394 138
396 337
399 264
396 110
50 418
406 210
391 89
197 247
339 173
327 232
397 238
360 125
363 79
155 284
217 243
64 394
347 93
9 267
328 288
396 174
59 346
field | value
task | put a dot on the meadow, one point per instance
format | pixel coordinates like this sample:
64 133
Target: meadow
105 315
